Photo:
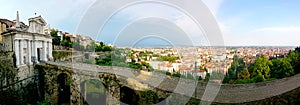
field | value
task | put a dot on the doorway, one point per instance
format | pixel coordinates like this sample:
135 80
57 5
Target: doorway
39 54
64 91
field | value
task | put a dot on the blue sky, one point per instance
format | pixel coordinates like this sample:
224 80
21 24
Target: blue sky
242 22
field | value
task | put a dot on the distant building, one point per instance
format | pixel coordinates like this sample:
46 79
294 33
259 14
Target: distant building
71 36
31 43
85 40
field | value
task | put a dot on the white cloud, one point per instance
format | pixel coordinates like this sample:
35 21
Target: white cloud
192 30
279 29
213 5
271 36
60 14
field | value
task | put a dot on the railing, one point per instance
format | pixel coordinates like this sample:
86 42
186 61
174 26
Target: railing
20 82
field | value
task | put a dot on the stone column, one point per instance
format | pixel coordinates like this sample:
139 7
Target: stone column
50 50
34 50
28 52
21 52
31 51
16 46
44 55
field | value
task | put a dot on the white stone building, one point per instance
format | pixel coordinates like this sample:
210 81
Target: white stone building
31 43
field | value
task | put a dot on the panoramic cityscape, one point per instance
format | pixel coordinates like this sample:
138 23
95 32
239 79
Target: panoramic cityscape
97 52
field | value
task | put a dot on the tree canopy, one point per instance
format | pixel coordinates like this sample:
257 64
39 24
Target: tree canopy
264 69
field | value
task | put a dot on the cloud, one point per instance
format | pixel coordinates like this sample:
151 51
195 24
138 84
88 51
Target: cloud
279 29
192 30
213 5
62 14
271 36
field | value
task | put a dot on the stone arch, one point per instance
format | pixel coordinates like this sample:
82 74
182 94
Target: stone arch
64 88
93 91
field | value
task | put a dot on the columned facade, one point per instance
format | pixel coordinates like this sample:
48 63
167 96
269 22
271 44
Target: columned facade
27 49
29 42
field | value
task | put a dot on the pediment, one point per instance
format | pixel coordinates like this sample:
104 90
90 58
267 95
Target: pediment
39 19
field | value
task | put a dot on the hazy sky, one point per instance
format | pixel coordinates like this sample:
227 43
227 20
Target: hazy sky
242 22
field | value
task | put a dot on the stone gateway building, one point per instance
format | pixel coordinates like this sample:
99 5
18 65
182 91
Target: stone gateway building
31 43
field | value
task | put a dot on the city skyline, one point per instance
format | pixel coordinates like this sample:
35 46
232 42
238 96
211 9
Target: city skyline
243 23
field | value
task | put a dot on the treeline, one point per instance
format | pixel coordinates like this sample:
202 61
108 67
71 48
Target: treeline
117 58
67 43
169 58
263 68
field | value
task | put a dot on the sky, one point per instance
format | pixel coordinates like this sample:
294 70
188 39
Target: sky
242 22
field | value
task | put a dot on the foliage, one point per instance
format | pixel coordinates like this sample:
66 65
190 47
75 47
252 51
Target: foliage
103 47
207 77
261 67
237 66
56 39
77 46
168 58
7 71
243 81
104 61
281 68
57 55
294 59
264 69
244 74
66 43
176 75
117 59
45 102
259 78
148 97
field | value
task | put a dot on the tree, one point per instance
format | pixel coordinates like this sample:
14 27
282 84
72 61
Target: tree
176 75
281 68
293 58
259 78
237 66
76 45
56 38
261 67
66 43
207 77
245 74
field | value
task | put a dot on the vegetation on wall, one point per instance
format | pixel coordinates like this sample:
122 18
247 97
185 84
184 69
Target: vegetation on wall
116 59
58 55
7 71
11 91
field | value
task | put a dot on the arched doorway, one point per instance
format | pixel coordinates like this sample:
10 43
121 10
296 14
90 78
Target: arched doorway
94 92
64 83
